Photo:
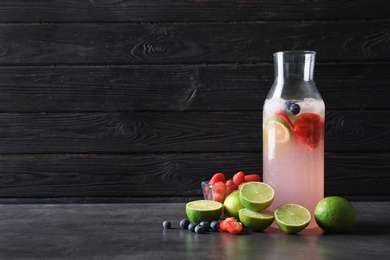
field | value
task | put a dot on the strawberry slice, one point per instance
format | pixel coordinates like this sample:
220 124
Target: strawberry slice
223 223
234 227
308 129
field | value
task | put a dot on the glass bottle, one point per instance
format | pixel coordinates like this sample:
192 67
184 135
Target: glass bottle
293 132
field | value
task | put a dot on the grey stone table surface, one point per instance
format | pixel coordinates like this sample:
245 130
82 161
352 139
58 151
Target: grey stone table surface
134 231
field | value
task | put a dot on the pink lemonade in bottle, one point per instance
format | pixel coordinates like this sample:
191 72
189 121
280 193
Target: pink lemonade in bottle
293 133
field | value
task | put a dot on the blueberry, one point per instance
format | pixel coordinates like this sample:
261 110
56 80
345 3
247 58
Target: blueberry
184 223
214 225
199 229
167 224
191 227
205 225
292 108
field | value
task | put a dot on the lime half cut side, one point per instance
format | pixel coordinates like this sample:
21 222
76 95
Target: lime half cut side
203 210
292 218
278 129
256 196
257 221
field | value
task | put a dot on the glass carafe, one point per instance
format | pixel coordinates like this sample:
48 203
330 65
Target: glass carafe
293 132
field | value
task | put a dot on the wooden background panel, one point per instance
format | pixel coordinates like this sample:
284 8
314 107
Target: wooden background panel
190 43
170 177
357 175
156 132
128 132
222 87
189 10
141 100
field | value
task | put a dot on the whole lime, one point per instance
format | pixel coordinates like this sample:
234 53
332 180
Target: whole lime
334 214
232 205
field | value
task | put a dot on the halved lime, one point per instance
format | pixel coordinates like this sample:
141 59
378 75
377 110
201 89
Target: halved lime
203 210
277 129
292 218
257 221
256 196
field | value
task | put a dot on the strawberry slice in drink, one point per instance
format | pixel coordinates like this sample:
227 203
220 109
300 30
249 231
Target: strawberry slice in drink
308 129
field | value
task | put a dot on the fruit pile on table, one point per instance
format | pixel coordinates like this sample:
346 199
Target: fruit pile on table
242 202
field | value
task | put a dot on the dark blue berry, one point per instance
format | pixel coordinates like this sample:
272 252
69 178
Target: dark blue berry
191 227
199 229
205 225
214 225
292 108
184 223
167 224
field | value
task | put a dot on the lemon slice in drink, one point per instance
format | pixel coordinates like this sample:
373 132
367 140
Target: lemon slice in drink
257 221
203 210
256 196
292 218
277 129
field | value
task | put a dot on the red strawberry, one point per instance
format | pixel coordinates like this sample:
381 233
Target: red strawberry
238 178
234 227
308 129
216 178
219 187
229 182
217 196
223 223
252 177
230 187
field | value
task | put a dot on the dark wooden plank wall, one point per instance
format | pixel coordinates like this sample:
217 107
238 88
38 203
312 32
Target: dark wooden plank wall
113 101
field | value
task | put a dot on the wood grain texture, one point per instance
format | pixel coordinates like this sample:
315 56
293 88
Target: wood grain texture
153 132
170 175
190 42
179 87
141 100
189 10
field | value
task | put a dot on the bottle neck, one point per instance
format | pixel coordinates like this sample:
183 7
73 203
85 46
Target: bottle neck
294 66
294 76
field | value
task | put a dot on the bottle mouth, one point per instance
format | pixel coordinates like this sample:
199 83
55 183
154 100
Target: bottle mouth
295 52
294 65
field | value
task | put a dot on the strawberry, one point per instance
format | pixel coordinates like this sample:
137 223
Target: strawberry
223 223
238 178
252 177
219 187
229 182
234 227
217 196
230 187
308 129
219 176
